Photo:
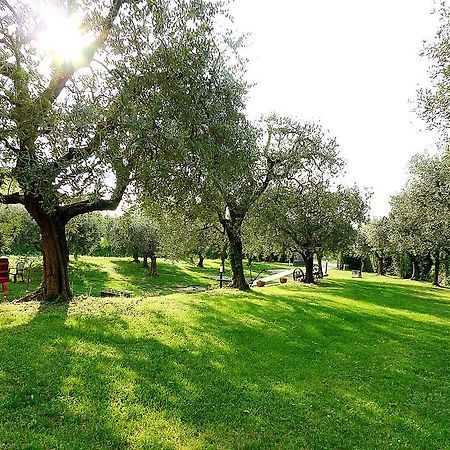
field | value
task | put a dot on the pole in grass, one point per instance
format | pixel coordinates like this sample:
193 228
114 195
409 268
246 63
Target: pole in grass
221 270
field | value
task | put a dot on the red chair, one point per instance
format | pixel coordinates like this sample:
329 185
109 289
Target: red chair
4 274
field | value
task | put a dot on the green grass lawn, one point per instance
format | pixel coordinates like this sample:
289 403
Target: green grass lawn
345 364
90 275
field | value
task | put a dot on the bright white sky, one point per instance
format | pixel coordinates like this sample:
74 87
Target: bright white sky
353 65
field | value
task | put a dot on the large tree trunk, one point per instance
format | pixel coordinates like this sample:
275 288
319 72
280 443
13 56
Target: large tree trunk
145 261
308 259
319 254
437 267
380 265
153 269
415 267
55 284
426 267
233 230
135 256
56 268
201 258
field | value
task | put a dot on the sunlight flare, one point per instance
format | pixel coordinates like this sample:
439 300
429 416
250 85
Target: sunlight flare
63 38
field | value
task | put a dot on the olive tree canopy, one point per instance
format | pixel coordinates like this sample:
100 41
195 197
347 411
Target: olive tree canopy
75 126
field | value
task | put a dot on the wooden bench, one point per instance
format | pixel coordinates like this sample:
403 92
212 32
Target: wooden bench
4 274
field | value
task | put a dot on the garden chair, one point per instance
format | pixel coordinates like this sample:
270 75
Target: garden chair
18 271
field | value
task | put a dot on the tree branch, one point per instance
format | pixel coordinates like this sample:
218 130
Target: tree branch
7 70
12 199
14 13
66 71
123 178
271 163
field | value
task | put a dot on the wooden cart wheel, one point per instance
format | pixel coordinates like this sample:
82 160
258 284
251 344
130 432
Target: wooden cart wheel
298 275
316 272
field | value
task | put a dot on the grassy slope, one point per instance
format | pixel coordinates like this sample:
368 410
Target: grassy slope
348 364
90 275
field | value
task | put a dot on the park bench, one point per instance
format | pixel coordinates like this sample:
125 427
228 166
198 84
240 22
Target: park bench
18 271
4 274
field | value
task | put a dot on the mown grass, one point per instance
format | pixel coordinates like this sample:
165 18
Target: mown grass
90 275
345 364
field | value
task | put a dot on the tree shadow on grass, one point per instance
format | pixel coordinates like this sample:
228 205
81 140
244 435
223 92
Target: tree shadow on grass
38 388
230 370
376 372
417 298
88 278
170 278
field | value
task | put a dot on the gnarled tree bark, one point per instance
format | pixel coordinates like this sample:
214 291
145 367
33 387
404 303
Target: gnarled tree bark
55 283
233 229
153 269
201 258
308 259
437 268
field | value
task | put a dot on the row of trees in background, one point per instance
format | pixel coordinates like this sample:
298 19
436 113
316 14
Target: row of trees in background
285 222
413 241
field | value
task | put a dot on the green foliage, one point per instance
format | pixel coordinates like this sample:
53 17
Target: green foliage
185 235
434 101
262 240
84 234
135 233
419 217
377 237
314 217
66 130
19 234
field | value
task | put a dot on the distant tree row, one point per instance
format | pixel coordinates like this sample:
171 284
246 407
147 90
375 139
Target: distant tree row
413 241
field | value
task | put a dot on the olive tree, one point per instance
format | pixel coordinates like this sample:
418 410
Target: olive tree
72 127
187 236
377 234
425 206
407 233
137 234
434 101
360 247
315 217
83 234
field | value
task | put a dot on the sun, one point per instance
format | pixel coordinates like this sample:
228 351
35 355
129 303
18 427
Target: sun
63 39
